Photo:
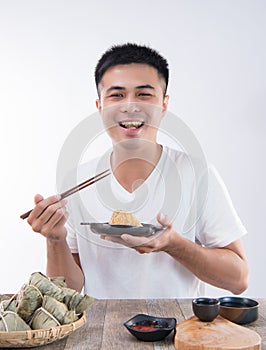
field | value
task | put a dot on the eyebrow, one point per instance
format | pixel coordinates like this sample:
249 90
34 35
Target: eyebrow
146 86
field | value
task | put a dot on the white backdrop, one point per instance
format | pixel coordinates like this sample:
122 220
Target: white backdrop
49 48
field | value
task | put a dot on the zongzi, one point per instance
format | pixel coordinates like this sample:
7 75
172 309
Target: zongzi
8 304
59 310
46 286
10 321
29 299
43 319
76 301
59 281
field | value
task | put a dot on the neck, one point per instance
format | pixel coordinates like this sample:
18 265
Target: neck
132 167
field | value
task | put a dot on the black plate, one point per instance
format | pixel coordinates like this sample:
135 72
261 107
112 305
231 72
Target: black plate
239 310
118 230
162 327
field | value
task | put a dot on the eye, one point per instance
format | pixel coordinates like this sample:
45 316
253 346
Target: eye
116 95
145 94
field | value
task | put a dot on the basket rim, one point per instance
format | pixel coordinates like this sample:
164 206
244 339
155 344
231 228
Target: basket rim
78 323
39 337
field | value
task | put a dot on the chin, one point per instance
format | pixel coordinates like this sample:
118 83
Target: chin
131 144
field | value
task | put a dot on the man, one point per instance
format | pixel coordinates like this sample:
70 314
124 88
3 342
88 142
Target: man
132 82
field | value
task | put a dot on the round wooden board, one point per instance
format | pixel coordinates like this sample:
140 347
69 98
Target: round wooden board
219 334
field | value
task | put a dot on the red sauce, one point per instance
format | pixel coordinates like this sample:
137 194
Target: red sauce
144 328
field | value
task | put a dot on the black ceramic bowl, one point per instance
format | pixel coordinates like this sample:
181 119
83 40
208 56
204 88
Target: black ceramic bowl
239 310
150 328
206 309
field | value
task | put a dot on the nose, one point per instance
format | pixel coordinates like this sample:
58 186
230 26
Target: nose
130 107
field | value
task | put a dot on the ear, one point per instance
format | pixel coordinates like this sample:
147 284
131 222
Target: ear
165 103
98 104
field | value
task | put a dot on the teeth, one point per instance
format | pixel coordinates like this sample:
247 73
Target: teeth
131 124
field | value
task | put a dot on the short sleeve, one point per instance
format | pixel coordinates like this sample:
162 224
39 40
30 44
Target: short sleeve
219 224
71 239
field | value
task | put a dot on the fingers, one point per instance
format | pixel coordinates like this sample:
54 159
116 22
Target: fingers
53 212
134 241
141 244
59 214
47 213
41 206
49 230
114 239
38 198
164 220
125 239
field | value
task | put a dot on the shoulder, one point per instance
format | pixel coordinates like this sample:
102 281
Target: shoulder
185 162
174 155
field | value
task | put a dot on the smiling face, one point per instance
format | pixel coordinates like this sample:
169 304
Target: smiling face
132 102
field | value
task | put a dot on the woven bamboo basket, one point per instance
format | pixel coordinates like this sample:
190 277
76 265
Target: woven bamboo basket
32 338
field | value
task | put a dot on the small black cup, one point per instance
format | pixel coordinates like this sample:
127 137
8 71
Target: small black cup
206 309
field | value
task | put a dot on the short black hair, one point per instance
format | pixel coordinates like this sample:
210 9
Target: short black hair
131 53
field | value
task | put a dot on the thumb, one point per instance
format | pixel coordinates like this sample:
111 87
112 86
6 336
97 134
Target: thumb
38 198
164 220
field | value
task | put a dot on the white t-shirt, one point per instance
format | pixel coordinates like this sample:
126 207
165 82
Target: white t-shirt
189 192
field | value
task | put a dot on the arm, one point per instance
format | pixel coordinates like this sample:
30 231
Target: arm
60 262
48 218
225 267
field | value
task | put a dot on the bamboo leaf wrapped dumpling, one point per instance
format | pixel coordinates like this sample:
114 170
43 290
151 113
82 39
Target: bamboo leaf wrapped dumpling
69 294
76 301
8 304
29 300
43 319
4 297
10 321
85 302
70 316
59 281
59 310
46 286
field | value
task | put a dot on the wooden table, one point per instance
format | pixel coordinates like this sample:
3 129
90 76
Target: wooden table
104 328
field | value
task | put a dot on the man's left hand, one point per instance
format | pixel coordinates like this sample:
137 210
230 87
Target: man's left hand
155 243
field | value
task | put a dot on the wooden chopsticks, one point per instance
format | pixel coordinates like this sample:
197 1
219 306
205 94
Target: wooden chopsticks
76 188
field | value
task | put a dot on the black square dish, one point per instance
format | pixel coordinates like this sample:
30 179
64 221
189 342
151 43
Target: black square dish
150 328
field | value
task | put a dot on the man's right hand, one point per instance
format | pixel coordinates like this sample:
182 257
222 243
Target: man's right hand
49 217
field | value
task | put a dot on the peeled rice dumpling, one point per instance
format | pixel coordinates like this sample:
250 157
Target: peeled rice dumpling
10 321
43 319
123 217
46 286
76 301
59 310
29 300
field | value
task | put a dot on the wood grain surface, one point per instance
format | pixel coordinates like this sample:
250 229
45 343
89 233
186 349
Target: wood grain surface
220 334
104 329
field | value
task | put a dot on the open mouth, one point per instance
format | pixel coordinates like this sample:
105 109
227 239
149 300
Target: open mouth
131 124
